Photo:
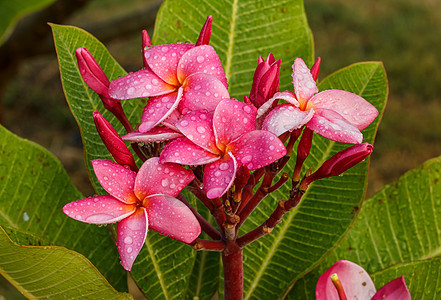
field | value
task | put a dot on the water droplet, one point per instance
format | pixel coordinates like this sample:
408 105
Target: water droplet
200 129
129 250
128 240
184 123
165 182
200 59
155 81
224 166
25 217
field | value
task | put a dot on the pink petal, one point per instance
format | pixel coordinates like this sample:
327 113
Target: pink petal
156 134
169 216
170 121
332 126
352 107
185 152
99 210
202 91
158 109
304 84
257 149
164 59
219 176
356 282
197 126
232 119
117 180
201 59
286 117
143 83
394 290
131 234
156 178
286 95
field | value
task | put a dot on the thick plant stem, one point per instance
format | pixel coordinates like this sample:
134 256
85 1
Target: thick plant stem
233 272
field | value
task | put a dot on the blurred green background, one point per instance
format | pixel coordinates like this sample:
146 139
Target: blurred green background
404 34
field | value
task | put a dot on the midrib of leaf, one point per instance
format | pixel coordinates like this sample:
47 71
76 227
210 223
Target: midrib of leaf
156 266
201 272
229 63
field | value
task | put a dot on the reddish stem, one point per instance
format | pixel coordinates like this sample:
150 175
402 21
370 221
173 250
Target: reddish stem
233 272
207 245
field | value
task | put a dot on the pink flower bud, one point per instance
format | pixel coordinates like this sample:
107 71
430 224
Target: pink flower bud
205 35
92 73
339 163
265 81
114 142
146 42
316 68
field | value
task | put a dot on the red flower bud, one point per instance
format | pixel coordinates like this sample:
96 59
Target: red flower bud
339 163
92 73
146 42
205 35
265 81
114 142
316 68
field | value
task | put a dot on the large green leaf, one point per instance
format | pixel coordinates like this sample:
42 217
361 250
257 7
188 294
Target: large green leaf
52 272
242 30
81 99
12 11
398 224
33 189
309 232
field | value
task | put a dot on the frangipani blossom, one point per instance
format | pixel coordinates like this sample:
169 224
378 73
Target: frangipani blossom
355 283
223 140
335 114
176 76
138 201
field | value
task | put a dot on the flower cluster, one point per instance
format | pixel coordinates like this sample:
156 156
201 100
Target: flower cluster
193 134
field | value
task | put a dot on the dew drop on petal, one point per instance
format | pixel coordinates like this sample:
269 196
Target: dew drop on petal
224 166
129 250
165 182
184 123
128 240
200 129
200 59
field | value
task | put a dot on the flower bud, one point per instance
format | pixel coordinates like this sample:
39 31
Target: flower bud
92 73
339 163
205 35
265 81
113 142
316 68
146 43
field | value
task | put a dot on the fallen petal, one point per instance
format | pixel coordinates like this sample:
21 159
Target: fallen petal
394 290
356 282
201 59
130 237
158 109
352 107
304 85
144 83
99 210
163 60
219 176
161 178
115 179
257 149
286 117
169 216
185 152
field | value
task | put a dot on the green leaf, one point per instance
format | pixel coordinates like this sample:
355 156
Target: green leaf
422 277
81 99
52 272
400 223
33 189
329 207
242 30
12 11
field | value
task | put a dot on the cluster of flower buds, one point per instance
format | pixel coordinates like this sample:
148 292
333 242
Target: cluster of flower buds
219 140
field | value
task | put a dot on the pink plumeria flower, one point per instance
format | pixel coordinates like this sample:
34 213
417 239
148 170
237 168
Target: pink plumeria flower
178 76
223 140
138 201
353 282
335 114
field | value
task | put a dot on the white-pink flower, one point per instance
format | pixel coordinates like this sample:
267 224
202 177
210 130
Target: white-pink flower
335 114
223 140
177 76
355 283
138 201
